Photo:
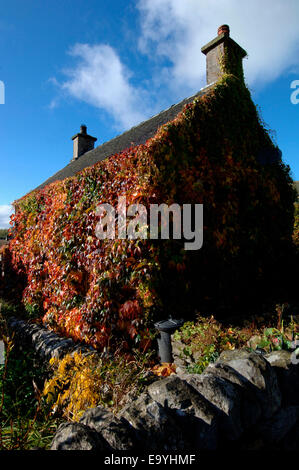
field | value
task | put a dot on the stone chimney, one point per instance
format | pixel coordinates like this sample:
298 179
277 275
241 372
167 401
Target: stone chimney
82 142
223 55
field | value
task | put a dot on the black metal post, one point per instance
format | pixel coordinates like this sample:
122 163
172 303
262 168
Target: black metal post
166 328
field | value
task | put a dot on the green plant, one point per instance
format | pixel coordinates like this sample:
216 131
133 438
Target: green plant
3 233
7 309
274 340
204 340
25 421
282 335
208 355
33 310
27 434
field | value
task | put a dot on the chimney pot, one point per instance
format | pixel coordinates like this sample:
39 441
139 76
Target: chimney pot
223 29
83 129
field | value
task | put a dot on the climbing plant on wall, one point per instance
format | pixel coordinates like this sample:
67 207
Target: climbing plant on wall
100 291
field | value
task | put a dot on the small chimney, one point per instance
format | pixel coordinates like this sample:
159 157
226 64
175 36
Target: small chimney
82 142
223 55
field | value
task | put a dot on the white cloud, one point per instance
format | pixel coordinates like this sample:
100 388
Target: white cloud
5 213
172 33
100 79
177 29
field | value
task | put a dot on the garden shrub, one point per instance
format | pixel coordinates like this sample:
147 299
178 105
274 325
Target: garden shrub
216 152
80 382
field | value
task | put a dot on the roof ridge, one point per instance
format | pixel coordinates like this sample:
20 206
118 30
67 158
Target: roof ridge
136 135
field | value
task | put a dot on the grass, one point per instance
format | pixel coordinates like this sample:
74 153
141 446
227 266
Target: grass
25 421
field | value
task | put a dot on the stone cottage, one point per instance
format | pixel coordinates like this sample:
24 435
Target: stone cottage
210 149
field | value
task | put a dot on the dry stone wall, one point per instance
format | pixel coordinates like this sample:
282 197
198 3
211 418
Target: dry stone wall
244 400
46 344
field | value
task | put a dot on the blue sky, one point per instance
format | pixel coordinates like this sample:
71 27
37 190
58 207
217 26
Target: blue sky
111 64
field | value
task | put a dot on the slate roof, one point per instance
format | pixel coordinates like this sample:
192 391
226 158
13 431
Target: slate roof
135 136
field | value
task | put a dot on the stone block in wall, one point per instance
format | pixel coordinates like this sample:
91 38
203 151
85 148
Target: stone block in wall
155 428
45 343
291 440
225 398
77 436
250 407
179 358
190 409
287 374
275 429
255 369
118 434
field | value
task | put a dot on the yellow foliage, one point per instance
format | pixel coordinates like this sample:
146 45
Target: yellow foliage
82 381
73 385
